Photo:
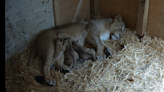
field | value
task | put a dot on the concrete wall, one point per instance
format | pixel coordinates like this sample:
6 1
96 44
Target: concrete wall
24 19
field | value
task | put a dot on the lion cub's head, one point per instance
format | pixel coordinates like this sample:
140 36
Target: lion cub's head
117 27
61 44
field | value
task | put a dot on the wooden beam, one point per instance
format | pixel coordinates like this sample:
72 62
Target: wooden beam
75 19
94 7
155 25
142 16
56 12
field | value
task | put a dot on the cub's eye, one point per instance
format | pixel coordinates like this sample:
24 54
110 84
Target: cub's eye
61 40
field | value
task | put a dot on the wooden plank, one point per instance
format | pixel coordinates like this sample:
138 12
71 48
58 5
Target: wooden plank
155 24
82 11
126 8
70 11
142 16
56 12
94 7
104 8
129 13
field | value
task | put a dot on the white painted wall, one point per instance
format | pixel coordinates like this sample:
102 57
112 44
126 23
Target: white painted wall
24 19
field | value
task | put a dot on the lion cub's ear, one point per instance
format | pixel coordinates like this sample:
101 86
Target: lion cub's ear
118 18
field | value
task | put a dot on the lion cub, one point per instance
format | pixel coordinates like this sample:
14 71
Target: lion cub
60 47
71 56
66 57
84 53
68 60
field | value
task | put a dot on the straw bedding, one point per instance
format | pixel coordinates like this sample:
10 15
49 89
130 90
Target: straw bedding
139 66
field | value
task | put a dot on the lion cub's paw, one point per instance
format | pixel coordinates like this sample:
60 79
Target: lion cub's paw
51 81
101 57
93 54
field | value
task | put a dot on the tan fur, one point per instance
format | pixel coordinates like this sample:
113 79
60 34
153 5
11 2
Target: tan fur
68 59
118 26
71 56
84 53
93 30
60 46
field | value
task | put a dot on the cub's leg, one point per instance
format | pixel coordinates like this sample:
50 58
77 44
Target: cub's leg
68 57
75 57
65 67
100 47
62 59
95 35
48 60
92 53
61 63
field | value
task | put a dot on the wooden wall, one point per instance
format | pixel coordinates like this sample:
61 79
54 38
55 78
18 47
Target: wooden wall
155 24
70 11
127 8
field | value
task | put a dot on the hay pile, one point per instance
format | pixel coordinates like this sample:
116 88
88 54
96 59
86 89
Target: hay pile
139 66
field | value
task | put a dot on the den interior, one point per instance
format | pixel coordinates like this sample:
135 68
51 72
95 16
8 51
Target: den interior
137 67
